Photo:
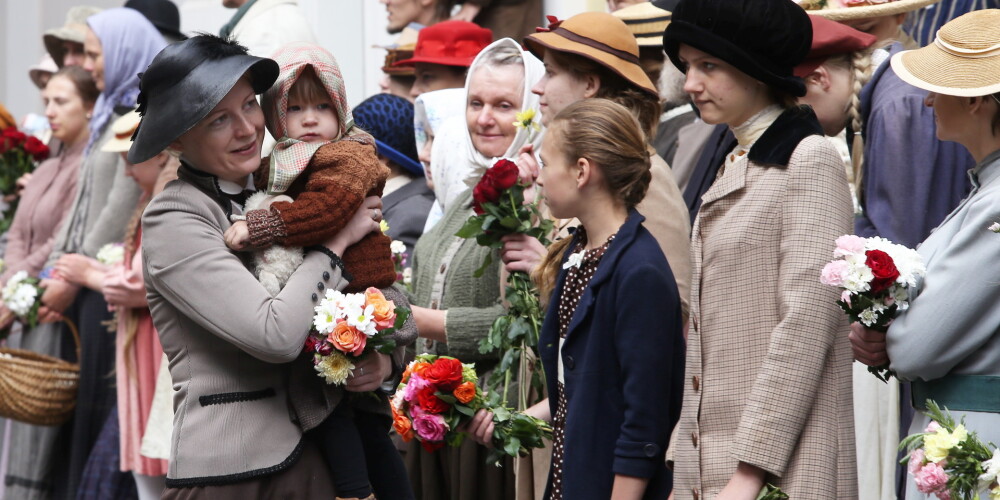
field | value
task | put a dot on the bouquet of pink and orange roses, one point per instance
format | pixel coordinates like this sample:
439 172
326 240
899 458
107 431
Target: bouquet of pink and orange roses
349 326
950 461
438 394
876 276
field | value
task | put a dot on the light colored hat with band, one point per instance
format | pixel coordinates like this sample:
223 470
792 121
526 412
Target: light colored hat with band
963 61
123 128
75 30
646 22
845 10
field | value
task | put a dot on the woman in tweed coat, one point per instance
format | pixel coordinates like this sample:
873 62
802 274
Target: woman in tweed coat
767 392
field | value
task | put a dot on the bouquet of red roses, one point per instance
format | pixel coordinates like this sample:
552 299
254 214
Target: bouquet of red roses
499 204
18 155
439 393
349 326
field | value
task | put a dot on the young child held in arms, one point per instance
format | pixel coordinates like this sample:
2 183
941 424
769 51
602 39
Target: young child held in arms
320 171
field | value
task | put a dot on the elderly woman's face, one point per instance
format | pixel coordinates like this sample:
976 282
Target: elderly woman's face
93 58
491 109
227 142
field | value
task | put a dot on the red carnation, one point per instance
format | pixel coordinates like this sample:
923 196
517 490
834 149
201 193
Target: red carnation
883 268
432 447
445 374
36 149
431 403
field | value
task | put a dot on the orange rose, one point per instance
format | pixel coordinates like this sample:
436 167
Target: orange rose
402 425
421 368
465 392
348 339
384 310
406 374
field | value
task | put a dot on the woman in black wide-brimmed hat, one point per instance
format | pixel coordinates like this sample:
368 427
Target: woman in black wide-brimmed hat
228 341
767 396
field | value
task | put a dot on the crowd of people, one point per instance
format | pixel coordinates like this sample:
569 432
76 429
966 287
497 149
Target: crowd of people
699 158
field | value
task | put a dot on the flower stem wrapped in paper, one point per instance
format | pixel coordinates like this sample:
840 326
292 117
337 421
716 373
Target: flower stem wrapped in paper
875 275
950 461
348 326
22 297
438 394
499 204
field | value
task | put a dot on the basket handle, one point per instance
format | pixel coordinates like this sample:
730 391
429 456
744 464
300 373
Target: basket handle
76 335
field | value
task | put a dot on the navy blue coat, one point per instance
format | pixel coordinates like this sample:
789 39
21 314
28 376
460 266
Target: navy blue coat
623 360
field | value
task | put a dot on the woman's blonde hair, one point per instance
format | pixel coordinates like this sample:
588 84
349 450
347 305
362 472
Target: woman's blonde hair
859 64
609 135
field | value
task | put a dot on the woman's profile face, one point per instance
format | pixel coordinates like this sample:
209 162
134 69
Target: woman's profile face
66 111
93 58
722 93
950 117
491 109
226 143
557 89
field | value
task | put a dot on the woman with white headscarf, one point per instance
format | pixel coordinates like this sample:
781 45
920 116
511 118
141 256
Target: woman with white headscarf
452 308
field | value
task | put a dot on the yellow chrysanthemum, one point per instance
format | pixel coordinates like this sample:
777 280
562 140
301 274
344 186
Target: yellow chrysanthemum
938 444
384 226
995 493
335 368
526 119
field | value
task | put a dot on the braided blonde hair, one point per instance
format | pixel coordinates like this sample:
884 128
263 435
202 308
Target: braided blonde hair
860 65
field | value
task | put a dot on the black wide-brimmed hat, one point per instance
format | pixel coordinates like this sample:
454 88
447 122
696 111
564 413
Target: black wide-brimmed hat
765 39
163 14
185 82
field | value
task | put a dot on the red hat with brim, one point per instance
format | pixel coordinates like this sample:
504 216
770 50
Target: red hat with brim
449 43
831 38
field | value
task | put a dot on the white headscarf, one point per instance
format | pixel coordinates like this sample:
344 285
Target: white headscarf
455 162
432 109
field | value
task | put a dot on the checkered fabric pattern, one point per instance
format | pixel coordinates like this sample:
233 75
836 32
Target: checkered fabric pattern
768 370
289 158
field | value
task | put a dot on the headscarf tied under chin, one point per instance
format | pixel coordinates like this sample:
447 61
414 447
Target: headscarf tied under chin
128 44
455 162
290 156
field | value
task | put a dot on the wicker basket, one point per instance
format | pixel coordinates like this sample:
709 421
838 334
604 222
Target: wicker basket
38 389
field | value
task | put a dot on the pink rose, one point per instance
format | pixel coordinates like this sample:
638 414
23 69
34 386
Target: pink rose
834 273
430 427
932 427
413 387
944 494
931 478
846 297
916 461
849 244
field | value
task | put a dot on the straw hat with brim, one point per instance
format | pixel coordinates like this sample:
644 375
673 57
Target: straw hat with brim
597 36
861 10
74 31
123 128
185 81
963 61
646 22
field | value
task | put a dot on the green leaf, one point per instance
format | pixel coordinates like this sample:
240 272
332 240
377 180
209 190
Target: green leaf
465 410
509 222
486 263
512 447
472 227
500 414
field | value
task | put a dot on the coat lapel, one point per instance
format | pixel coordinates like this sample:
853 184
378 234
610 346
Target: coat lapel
605 269
732 179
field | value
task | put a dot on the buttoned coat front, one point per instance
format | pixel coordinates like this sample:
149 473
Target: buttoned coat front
768 368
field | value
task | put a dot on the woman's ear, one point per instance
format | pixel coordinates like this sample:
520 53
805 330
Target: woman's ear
584 171
819 79
593 85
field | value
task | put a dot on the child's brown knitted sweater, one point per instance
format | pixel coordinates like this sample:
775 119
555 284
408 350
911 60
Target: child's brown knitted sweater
326 195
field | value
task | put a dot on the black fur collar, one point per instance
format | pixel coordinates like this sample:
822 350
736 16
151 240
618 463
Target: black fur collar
776 145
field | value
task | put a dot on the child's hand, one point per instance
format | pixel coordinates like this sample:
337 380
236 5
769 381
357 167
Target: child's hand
237 236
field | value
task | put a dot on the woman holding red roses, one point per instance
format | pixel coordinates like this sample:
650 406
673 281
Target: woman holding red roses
69 98
452 308
947 343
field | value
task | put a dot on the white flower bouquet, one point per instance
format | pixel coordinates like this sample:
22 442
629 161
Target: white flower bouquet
21 295
111 254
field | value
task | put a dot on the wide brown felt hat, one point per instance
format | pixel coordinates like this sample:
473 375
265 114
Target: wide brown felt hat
598 36
963 61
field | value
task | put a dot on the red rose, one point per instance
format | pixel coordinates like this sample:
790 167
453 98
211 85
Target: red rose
504 174
36 149
445 374
432 447
883 268
431 403
14 136
483 193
